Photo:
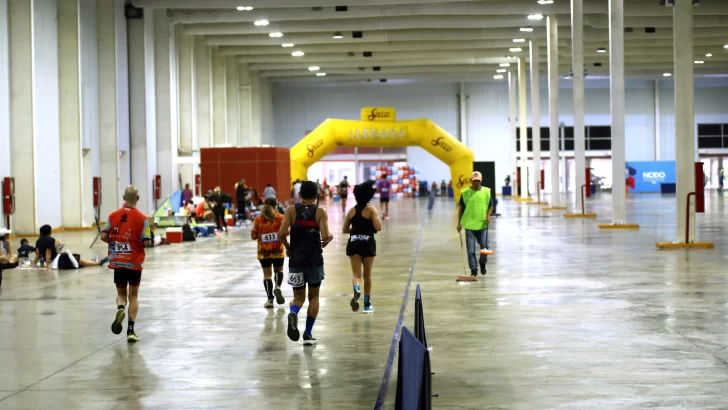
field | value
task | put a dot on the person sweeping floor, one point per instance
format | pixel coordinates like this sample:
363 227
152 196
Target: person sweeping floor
474 213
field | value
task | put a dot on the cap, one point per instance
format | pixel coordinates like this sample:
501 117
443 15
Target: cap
477 176
4 231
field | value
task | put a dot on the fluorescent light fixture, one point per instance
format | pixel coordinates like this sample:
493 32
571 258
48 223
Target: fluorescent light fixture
535 16
504 64
297 53
498 77
338 35
314 68
545 2
286 45
277 34
667 74
501 70
519 40
515 49
601 50
725 46
526 29
320 74
709 55
699 62
244 8
261 23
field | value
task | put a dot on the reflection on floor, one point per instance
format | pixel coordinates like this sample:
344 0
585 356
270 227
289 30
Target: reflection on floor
568 317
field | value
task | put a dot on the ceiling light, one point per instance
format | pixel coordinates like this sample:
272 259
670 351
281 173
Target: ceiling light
338 35
501 70
526 29
545 1
601 50
667 74
725 46
515 49
261 23
699 62
286 45
320 74
277 34
314 68
297 53
535 16
519 40
504 64
709 55
498 77
244 8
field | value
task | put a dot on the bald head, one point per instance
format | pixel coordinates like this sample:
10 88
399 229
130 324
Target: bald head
131 195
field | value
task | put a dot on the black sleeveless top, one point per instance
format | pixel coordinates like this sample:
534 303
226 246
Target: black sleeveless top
305 249
361 225
240 193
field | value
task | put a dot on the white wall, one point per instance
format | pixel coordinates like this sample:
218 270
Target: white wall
5 165
89 77
301 108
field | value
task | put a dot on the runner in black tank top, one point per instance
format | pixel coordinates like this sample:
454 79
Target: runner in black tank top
362 222
309 231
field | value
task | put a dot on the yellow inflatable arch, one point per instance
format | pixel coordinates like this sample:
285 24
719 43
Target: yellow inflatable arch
379 127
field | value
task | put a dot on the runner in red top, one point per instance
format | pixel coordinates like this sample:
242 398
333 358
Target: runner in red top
127 232
271 252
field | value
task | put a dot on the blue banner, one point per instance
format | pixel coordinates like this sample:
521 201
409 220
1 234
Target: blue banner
648 176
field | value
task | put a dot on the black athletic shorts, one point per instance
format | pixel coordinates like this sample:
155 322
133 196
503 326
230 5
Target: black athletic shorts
274 262
365 248
124 277
343 196
384 200
64 261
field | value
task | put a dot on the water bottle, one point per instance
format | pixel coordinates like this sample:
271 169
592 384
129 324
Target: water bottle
42 262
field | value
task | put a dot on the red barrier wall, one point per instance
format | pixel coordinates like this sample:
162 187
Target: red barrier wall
259 167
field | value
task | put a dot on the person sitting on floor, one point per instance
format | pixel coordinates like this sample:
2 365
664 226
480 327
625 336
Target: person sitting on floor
7 260
49 249
25 250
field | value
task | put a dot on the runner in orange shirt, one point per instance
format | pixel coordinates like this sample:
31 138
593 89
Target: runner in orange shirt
127 232
270 250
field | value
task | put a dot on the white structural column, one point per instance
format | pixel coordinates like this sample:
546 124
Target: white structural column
163 96
657 120
203 92
513 123
187 121
523 120
616 69
5 164
577 65
684 114
219 101
536 116
552 28
108 105
463 115
70 114
232 90
246 126
142 113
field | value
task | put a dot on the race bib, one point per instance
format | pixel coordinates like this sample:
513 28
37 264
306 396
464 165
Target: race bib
122 248
385 189
269 237
355 238
296 279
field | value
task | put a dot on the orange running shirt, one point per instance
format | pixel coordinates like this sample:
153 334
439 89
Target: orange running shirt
127 229
269 246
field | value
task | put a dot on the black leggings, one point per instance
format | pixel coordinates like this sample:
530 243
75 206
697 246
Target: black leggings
220 218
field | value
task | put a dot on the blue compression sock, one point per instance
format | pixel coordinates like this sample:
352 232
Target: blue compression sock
366 300
356 288
309 325
295 309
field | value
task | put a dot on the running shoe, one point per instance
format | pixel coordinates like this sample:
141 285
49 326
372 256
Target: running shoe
117 326
104 261
483 269
293 332
268 304
355 301
308 340
279 296
369 309
132 338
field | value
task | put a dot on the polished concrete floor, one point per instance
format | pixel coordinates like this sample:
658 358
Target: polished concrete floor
568 317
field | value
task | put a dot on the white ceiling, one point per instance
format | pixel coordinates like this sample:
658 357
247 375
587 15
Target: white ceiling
435 40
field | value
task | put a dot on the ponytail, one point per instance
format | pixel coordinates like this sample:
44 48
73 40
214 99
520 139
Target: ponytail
268 211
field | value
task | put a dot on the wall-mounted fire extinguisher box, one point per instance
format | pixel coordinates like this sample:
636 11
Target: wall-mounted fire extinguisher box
97 191
198 184
8 199
157 187
699 188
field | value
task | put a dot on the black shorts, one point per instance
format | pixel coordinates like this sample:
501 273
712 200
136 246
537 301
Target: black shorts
64 261
364 248
274 262
384 200
343 197
124 277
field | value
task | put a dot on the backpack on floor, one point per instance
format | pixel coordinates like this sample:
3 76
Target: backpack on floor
187 233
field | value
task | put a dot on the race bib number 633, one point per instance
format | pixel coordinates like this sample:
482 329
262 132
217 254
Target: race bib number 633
269 237
296 279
